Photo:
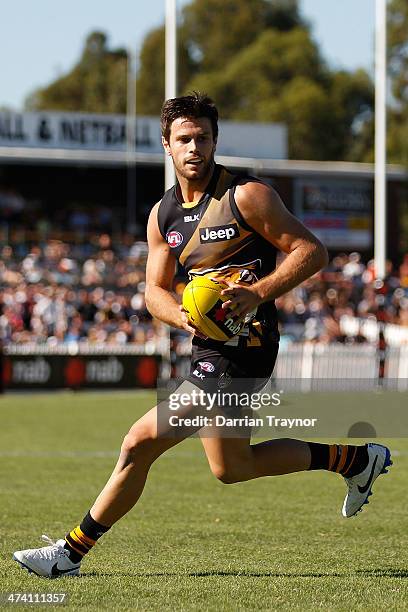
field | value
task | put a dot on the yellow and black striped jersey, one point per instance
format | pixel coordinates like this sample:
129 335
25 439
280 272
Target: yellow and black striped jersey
210 237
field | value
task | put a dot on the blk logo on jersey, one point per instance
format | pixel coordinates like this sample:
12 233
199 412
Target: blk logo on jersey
174 239
219 233
191 218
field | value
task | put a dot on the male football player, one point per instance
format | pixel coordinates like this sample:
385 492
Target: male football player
217 223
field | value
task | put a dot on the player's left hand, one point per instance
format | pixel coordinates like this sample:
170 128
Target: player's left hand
242 299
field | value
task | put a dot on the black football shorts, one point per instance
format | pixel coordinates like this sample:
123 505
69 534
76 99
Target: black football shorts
232 368
225 380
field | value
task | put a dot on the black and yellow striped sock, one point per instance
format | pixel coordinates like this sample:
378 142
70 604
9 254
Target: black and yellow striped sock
345 459
83 538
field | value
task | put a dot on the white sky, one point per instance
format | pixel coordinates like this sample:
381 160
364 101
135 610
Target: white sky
42 39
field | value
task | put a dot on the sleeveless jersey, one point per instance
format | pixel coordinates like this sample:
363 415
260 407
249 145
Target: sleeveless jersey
210 237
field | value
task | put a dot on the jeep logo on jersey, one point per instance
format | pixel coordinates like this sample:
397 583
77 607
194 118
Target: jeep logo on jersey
191 218
219 233
174 239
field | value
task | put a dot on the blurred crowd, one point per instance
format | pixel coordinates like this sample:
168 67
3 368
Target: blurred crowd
93 292
59 293
18 212
317 308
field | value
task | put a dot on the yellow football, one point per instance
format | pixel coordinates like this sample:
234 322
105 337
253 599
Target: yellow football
202 301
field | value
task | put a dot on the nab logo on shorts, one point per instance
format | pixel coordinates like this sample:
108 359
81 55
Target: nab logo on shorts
219 233
174 239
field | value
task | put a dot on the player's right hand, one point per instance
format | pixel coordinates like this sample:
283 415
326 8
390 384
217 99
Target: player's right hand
187 325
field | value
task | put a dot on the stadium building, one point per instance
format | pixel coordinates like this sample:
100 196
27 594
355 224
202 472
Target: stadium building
72 172
73 180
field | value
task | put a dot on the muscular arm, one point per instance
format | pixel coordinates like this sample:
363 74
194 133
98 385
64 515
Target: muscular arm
265 212
160 269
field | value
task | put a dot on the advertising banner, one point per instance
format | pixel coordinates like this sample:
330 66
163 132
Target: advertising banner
106 132
338 212
80 371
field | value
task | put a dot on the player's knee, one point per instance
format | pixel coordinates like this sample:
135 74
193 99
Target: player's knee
139 442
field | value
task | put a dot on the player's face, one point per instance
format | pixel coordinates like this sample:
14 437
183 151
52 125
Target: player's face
192 147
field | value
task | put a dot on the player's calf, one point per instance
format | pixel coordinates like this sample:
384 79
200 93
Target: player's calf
140 447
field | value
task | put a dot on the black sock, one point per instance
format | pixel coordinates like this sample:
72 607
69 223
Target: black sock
348 460
359 462
92 529
83 538
320 456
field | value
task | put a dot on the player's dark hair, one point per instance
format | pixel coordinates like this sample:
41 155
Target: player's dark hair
192 106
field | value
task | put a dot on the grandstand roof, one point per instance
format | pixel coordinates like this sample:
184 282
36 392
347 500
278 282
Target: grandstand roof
33 155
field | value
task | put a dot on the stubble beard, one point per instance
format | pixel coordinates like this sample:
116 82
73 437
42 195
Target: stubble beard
204 171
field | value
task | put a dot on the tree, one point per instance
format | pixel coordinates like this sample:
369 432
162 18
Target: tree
398 71
280 77
397 18
215 30
96 84
259 62
210 34
150 81
352 96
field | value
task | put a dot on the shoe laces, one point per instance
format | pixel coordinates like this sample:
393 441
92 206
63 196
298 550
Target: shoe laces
49 541
51 551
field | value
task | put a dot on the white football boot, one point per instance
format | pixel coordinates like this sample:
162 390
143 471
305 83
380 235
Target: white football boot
50 561
359 486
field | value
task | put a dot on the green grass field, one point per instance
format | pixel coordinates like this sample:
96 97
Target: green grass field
192 543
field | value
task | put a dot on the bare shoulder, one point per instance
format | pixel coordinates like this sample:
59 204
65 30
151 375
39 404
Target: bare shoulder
153 232
256 198
154 211
263 210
